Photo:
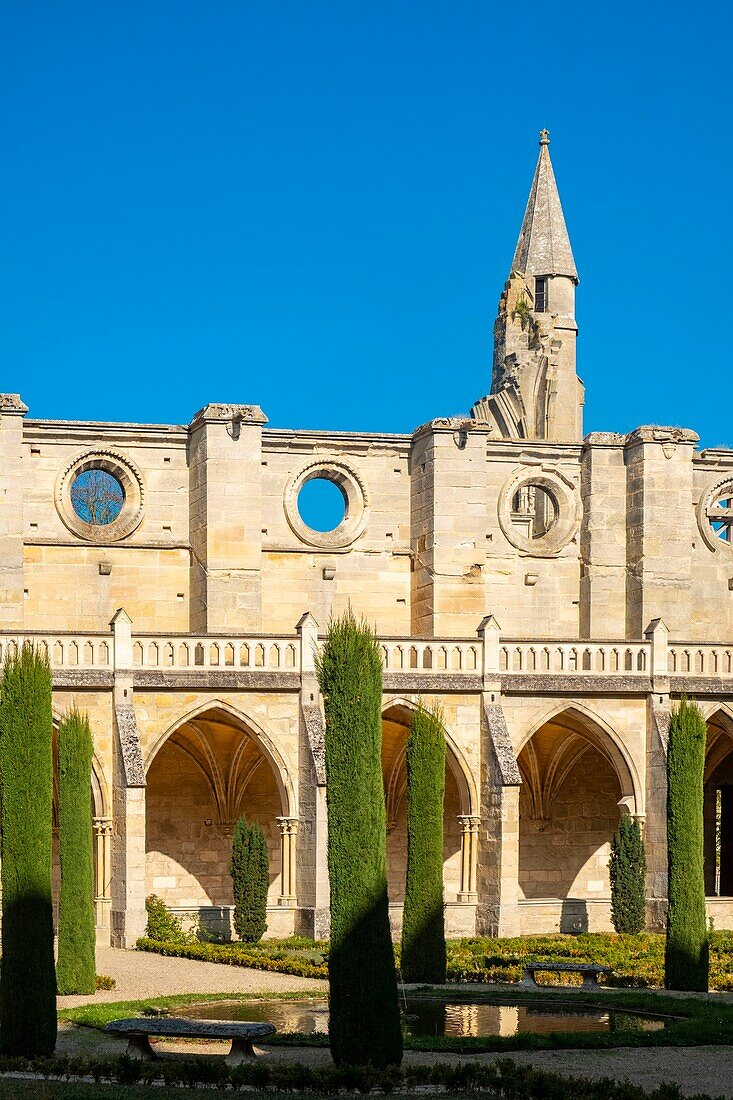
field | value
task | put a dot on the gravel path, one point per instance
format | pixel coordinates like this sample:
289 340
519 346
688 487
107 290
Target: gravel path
140 974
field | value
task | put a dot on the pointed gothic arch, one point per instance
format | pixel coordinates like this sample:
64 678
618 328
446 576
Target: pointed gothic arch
251 728
578 777
599 732
455 757
211 765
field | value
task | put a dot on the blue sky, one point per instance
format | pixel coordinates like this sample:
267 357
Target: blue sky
313 206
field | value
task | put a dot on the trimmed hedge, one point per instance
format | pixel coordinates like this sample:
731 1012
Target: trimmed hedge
502 1078
75 966
423 925
234 955
28 974
637 961
627 871
250 871
686 960
364 1019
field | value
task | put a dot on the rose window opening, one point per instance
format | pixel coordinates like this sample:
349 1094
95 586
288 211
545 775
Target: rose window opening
720 514
97 496
534 511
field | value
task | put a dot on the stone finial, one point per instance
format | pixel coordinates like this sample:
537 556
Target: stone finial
544 137
11 403
235 414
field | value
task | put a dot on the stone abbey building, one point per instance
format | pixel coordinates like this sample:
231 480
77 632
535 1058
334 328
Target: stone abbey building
555 592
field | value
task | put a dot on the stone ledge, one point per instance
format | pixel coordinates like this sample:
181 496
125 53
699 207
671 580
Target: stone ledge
215 678
424 681
574 683
82 678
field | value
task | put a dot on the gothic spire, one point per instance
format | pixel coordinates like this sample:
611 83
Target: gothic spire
543 247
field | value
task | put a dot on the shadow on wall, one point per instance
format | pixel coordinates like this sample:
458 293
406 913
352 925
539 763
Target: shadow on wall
573 916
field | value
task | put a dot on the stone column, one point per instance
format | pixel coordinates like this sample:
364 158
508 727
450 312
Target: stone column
469 857
102 827
313 886
288 836
127 916
12 411
725 888
497 913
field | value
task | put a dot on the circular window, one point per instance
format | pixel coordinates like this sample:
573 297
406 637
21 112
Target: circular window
715 514
539 511
321 504
99 496
326 504
534 511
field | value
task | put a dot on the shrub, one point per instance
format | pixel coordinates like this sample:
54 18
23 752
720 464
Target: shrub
27 975
686 960
103 981
423 926
250 871
162 926
627 869
75 967
235 954
364 1021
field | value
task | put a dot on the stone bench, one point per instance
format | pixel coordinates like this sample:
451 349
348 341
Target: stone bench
138 1031
589 971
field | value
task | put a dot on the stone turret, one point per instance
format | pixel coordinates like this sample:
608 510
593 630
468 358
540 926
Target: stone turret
535 391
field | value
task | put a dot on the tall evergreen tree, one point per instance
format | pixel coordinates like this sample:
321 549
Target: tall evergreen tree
627 870
686 961
423 926
75 967
250 871
27 973
364 1020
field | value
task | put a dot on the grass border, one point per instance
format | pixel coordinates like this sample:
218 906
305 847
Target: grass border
702 1021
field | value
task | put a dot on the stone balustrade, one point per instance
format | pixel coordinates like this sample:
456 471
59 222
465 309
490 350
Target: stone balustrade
489 655
603 658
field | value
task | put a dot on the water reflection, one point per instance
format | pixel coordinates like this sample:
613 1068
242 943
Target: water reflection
434 1016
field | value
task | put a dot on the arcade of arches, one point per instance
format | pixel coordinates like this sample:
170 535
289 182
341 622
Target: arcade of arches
212 769
576 782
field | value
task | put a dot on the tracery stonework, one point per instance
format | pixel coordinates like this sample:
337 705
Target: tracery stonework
554 593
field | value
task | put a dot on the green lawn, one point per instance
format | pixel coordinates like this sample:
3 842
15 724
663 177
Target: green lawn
700 1022
637 961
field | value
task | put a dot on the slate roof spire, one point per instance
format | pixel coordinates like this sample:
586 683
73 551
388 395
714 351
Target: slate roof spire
543 247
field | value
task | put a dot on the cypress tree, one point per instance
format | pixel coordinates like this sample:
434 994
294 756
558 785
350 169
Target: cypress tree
627 869
364 1020
75 967
686 962
27 974
250 871
423 926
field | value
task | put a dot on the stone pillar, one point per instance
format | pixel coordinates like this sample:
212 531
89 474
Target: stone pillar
288 836
603 537
127 917
314 914
12 411
102 827
449 519
225 507
725 888
655 823
660 528
498 850
469 857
